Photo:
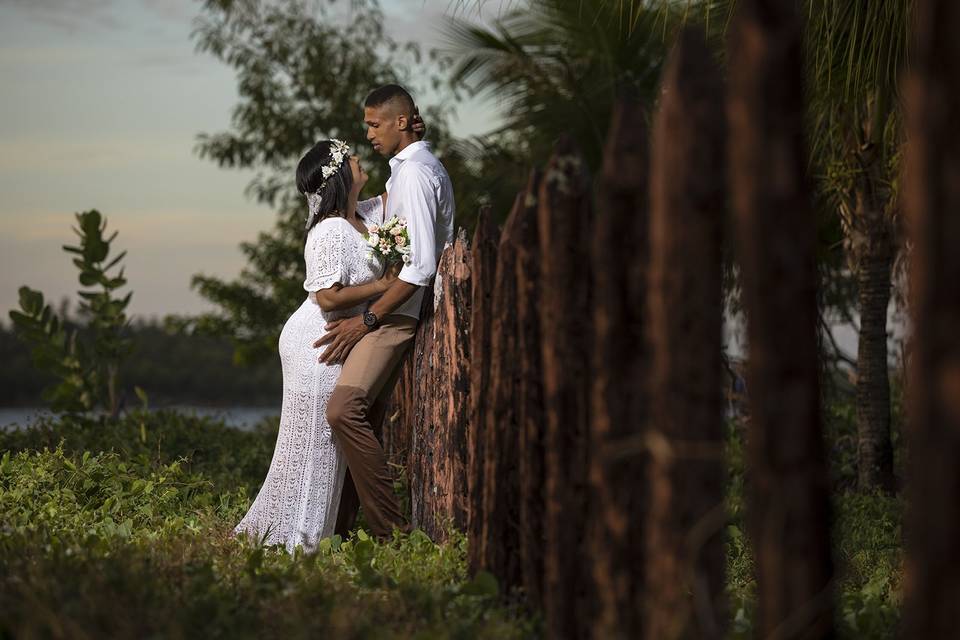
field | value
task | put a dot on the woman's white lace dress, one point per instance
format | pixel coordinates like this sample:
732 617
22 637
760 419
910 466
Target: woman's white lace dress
297 504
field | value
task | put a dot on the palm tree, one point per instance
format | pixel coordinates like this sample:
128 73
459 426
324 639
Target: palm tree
855 53
557 66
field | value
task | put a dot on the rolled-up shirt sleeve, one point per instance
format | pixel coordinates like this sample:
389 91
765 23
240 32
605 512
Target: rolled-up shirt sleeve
416 187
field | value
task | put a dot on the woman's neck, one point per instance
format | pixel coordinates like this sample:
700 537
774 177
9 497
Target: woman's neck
351 212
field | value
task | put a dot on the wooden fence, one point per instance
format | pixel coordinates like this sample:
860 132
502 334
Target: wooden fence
562 404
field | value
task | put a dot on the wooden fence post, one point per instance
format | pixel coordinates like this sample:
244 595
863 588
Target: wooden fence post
530 416
618 377
788 499
438 448
564 215
483 261
932 195
685 558
500 530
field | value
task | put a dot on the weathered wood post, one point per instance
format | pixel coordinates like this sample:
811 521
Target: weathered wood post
788 496
483 265
530 418
685 559
932 194
618 377
500 530
564 216
441 410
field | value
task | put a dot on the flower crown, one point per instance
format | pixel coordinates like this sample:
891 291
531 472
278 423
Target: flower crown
339 151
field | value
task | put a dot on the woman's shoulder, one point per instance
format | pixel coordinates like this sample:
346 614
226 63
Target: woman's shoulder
330 224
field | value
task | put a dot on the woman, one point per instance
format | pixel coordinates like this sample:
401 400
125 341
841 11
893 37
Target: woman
298 502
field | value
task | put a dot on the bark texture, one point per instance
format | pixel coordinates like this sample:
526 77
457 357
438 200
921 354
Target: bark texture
530 419
500 528
618 378
564 216
789 487
873 250
932 190
685 559
483 263
440 409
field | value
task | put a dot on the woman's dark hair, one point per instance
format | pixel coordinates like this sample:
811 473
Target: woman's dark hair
336 188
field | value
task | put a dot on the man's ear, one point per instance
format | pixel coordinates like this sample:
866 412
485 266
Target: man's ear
403 122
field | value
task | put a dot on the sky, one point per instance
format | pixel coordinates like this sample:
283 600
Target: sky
102 102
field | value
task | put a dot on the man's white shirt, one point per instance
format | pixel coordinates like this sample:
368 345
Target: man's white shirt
419 191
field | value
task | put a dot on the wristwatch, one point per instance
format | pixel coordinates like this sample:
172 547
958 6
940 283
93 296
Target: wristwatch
370 319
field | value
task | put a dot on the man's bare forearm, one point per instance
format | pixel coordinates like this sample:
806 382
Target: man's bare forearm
398 293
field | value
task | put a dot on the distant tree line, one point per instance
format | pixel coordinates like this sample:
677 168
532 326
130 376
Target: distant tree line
172 368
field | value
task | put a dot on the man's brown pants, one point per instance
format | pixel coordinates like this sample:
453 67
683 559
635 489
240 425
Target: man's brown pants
355 413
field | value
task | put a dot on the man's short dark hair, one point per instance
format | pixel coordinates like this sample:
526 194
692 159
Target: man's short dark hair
391 93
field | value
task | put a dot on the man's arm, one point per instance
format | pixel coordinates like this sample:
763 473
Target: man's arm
419 204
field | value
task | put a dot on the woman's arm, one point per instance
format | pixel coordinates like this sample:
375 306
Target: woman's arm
341 297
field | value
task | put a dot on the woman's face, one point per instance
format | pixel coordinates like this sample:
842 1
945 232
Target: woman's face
360 176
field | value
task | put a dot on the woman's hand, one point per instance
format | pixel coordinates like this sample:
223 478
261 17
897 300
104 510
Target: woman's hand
390 274
417 124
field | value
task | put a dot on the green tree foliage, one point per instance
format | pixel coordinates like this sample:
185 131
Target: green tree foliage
558 67
303 72
85 364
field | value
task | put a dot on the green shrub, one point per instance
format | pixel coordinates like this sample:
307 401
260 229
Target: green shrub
867 551
133 540
226 456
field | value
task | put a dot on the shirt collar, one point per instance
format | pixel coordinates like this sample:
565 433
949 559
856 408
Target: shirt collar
408 151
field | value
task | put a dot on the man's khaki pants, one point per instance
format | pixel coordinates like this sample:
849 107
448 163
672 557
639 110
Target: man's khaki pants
355 413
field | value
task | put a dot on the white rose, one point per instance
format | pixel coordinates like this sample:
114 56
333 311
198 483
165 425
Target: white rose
373 240
400 240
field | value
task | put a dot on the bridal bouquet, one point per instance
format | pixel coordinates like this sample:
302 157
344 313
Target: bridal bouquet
390 241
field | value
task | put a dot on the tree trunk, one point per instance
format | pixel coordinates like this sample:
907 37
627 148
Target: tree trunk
530 418
618 403
564 216
685 565
483 262
437 467
788 499
501 488
874 272
932 194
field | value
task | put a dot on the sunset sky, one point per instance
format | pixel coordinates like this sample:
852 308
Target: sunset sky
102 102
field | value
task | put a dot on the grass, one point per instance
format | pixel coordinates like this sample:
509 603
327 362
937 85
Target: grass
121 529
115 532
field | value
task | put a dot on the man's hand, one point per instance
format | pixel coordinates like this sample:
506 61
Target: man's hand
342 336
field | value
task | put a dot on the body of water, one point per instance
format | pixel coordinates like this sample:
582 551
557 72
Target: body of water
238 417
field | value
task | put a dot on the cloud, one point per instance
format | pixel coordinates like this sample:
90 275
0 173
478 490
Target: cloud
75 16
70 15
173 10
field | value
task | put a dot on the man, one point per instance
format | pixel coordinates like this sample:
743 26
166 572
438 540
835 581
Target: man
372 346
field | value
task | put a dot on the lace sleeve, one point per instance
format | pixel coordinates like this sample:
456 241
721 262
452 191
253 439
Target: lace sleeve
371 210
326 257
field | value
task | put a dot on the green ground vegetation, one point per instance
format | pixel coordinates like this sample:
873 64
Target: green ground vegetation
121 528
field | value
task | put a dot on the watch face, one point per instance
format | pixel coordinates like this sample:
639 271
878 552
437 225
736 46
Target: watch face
369 319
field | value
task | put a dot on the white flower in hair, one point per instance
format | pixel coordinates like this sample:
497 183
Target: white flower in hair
339 151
